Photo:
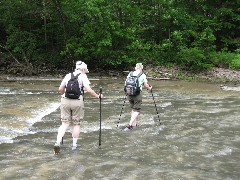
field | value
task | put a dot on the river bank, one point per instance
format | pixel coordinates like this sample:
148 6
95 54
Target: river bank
215 75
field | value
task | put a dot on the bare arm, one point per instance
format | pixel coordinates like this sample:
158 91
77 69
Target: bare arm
61 90
92 92
147 86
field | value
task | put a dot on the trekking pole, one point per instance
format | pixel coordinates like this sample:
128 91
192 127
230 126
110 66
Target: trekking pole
100 129
155 106
121 110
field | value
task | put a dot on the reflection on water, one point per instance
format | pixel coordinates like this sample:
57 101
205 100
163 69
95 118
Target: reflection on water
198 137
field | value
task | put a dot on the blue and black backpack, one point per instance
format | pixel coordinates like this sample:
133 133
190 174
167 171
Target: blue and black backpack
132 87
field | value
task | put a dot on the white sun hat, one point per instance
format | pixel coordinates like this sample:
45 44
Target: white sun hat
81 65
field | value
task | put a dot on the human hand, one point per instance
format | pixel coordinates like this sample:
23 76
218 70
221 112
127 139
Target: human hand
100 93
150 88
100 96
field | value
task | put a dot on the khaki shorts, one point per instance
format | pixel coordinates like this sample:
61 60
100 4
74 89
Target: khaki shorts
72 110
135 101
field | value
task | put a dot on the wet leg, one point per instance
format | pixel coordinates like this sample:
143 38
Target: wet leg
134 115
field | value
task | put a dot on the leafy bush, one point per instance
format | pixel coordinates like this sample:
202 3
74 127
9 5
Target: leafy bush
235 64
221 59
194 59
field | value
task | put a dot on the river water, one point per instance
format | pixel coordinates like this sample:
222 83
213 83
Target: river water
193 132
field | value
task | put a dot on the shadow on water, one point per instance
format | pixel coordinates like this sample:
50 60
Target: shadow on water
198 137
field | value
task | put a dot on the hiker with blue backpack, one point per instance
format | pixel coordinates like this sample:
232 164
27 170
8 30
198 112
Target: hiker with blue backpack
72 89
134 83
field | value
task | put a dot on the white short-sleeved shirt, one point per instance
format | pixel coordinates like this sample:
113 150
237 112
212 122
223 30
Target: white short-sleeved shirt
82 80
142 79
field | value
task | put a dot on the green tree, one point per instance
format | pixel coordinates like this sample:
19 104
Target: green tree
109 34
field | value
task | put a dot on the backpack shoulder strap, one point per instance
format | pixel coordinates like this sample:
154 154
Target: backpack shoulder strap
139 74
77 75
74 77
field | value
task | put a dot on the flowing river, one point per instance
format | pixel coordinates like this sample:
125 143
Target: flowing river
186 130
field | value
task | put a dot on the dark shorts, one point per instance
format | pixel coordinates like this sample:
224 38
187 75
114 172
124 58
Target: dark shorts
135 101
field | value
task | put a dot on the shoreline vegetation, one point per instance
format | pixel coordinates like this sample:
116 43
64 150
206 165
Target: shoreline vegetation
157 73
176 39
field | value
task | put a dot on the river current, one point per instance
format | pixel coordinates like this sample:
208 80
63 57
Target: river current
186 130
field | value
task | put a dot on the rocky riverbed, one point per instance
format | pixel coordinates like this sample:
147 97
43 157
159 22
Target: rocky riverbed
228 79
215 75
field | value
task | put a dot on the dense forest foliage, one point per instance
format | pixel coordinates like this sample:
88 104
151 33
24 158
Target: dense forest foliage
48 35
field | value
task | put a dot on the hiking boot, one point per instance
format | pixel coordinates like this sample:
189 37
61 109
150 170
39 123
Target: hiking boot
74 147
56 148
128 128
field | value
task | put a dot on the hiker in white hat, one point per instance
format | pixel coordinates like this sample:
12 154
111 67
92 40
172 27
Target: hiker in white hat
72 90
